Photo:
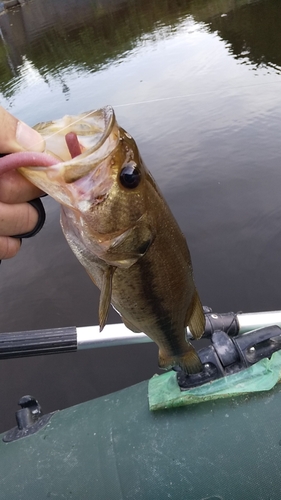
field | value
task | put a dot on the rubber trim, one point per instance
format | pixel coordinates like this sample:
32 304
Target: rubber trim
38 205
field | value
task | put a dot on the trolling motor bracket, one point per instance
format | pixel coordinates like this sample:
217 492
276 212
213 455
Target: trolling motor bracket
227 355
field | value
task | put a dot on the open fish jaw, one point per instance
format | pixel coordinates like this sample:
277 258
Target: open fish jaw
92 128
84 180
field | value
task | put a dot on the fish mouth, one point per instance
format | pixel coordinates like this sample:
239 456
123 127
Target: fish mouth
96 135
91 128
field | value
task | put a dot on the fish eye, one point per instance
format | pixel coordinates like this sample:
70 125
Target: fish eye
130 175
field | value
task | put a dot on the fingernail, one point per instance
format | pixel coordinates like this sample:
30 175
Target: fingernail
28 138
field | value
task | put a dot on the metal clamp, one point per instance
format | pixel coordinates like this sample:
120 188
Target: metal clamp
226 355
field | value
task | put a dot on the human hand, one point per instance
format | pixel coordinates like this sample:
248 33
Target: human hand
16 215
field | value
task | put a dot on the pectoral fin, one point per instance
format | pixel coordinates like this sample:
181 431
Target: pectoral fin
105 295
126 249
195 318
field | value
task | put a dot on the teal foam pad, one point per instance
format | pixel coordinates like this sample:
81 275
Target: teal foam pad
164 392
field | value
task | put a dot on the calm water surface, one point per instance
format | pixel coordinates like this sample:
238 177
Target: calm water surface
198 85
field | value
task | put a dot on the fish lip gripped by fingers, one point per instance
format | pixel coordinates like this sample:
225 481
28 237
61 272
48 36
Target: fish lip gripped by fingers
85 179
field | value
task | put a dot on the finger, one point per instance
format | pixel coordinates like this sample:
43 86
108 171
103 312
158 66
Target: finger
17 219
17 136
14 188
9 247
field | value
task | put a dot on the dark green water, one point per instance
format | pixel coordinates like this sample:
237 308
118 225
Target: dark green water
198 85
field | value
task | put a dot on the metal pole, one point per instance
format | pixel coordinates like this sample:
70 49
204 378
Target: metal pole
90 337
253 321
56 340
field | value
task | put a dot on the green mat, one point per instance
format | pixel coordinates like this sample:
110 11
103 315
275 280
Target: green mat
164 392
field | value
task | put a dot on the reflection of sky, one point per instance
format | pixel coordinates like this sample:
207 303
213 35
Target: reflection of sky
164 65
28 74
146 64
159 89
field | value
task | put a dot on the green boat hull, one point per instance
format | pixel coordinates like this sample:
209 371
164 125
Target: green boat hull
114 448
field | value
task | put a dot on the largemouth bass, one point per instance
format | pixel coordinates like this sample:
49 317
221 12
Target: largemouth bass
122 231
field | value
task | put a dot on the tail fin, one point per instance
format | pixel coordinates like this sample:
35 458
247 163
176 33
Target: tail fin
189 362
195 318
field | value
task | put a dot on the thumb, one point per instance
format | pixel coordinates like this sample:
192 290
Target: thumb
16 136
